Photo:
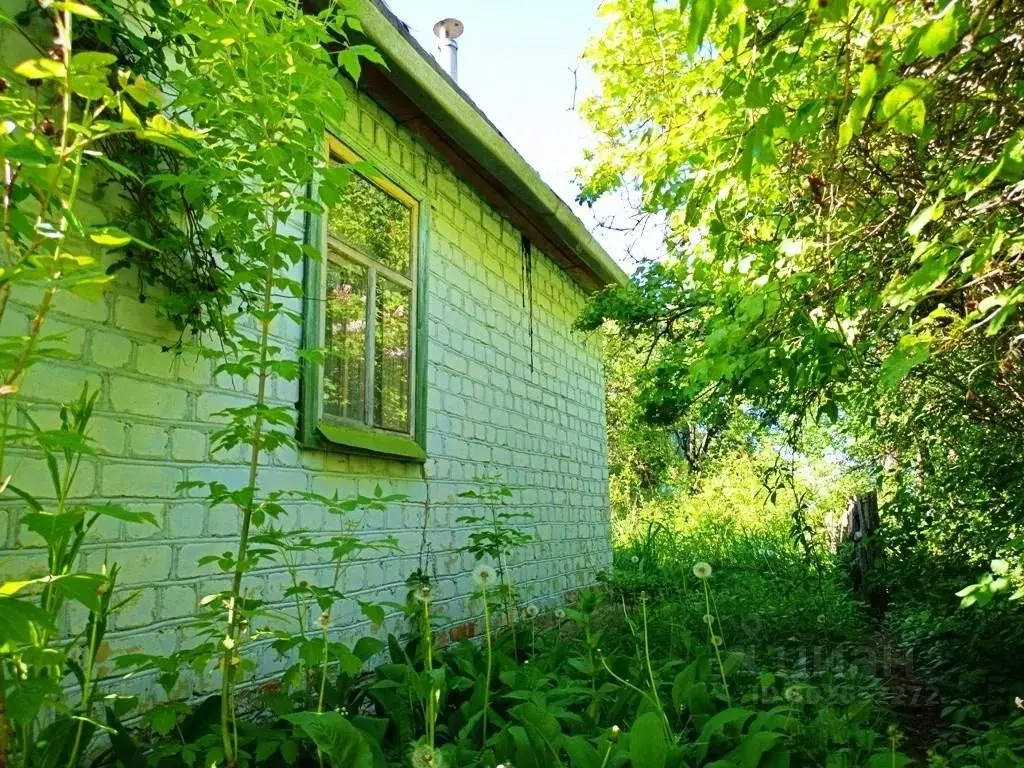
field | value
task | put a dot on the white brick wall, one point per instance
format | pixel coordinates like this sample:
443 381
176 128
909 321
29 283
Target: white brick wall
541 429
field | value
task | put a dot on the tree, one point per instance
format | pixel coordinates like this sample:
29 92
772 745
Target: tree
842 185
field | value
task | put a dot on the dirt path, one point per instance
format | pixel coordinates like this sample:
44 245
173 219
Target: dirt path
915 704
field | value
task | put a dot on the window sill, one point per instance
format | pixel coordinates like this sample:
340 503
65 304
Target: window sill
372 443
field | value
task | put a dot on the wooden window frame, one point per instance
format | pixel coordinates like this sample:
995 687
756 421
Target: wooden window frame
317 430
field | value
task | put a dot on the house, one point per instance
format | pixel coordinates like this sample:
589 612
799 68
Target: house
446 301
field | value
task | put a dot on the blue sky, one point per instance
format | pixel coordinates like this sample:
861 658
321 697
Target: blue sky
517 60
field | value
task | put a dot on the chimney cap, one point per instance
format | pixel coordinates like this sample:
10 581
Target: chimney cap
448 29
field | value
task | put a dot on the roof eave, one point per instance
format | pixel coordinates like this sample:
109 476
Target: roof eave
423 81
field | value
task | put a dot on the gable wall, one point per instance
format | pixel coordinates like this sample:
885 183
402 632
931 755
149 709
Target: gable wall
540 427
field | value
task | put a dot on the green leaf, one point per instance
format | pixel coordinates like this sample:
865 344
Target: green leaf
29 697
336 738
753 746
582 754
40 69
373 612
701 13
903 107
941 34
538 718
717 724
92 60
20 620
910 351
110 237
648 747
927 215
78 9
81 587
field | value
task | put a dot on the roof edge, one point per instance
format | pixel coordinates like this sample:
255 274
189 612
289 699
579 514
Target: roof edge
440 98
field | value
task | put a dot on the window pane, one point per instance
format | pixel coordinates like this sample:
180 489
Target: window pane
391 375
345 342
374 223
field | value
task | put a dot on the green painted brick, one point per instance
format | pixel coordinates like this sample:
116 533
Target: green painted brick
147 481
142 317
189 445
110 350
149 442
188 556
152 360
185 520
140 610
147 398
194 369
58 383
178 601
31 475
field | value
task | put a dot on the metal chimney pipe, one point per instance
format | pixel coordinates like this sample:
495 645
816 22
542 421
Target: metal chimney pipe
447 31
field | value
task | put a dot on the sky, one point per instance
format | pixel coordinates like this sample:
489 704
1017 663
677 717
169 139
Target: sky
519 60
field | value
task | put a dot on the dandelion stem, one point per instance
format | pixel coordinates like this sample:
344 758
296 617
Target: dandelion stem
711 633
487 681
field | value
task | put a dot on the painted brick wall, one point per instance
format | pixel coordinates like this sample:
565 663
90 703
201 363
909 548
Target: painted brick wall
498 402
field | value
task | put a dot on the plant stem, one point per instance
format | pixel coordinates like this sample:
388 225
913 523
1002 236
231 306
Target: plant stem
86 689
641 691
647 657
227 719
323 671
711 632
428 654
487 683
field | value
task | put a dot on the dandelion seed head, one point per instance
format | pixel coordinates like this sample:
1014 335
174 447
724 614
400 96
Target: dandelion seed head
716 640
702 570
484 575
635 559
426 756
793 695
423 594
560 614
531 611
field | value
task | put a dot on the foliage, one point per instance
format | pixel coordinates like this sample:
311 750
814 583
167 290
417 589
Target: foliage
840 192
841 185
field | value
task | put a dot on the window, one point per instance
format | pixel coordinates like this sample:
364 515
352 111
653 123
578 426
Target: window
366 310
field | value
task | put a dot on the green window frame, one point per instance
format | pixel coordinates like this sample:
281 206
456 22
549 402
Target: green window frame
359 426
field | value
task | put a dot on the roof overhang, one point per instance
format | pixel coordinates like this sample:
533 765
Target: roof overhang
423 98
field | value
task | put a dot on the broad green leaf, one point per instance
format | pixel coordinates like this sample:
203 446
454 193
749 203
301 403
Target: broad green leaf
537 718
582 754
373 612
753 746
92 60
941 34
903 107
718 723
20 620
336 738
927 215
910 351
648 747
